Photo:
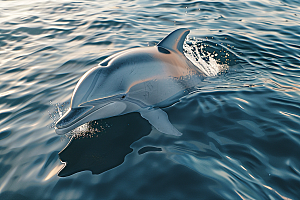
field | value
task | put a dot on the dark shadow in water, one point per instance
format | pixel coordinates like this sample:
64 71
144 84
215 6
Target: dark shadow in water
7 195
105 147
148 149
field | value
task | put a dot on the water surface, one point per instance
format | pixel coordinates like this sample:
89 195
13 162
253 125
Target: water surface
240 128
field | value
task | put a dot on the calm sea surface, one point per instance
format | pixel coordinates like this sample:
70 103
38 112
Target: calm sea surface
241 128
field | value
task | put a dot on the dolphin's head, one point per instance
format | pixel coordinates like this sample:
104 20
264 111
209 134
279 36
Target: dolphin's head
94 99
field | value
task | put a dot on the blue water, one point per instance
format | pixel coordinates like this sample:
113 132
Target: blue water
241 136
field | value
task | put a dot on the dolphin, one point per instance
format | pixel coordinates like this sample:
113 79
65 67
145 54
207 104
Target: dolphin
143 80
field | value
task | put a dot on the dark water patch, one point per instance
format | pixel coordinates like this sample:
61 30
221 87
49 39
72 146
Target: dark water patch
8 195
30 78
4 134
22 57
4 87
77 38
18 48
12 23
98 43
10 37
2 44
149 149
30 30
12 101
107 24
4 31
37 161
48 48
290 3
4 169
173 185
103 147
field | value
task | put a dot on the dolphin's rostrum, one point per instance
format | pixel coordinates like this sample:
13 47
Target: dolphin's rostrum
136 80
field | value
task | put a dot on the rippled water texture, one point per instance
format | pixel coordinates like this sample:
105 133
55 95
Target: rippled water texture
240 128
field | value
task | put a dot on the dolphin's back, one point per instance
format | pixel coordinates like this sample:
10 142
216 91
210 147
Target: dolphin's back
146 74
149 74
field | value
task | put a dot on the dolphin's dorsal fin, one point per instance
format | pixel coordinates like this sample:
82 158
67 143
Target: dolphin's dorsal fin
174 41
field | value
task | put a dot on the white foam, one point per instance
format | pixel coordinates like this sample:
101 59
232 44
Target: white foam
210 67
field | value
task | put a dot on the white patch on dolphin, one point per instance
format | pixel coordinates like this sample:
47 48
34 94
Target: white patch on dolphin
136 80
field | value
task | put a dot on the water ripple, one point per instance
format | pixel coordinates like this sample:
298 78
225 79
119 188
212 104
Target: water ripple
240 128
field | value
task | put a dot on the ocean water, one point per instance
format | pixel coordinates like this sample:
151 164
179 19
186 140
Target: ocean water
241 127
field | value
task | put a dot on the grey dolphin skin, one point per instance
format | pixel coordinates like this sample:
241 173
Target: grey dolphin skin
140 80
